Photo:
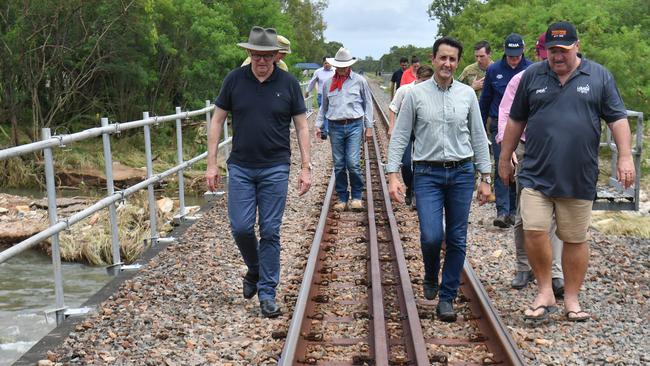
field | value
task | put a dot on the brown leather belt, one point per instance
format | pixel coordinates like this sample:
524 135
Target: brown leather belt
344 121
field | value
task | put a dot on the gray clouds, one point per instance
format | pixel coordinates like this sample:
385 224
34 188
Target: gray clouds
371 28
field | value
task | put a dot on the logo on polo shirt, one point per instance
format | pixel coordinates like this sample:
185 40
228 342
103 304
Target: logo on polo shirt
499 76
541 91
583 89
277 94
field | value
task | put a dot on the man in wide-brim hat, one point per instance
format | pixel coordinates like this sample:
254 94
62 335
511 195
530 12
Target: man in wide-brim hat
262 100
285 49
347 106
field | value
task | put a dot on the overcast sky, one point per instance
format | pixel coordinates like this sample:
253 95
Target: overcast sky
372 27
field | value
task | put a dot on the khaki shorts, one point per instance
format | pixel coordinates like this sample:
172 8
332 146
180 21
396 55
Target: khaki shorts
573 215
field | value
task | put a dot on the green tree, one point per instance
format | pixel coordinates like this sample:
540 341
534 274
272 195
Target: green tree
444 11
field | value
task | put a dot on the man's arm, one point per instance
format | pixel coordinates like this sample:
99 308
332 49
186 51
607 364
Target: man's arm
625 165
511 137
368 108
324 107
302 132
398 141
310 86
212 176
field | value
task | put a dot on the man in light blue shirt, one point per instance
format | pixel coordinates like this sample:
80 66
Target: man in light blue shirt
347 106
450 143
321 75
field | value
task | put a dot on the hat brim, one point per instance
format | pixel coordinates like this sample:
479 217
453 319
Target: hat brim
282 50
561 44
514 52
254 47
335 63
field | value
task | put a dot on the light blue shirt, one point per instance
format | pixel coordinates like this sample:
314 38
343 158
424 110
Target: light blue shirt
447 124
320 77
353 101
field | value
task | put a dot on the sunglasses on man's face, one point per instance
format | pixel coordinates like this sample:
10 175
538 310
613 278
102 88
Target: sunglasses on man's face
266 57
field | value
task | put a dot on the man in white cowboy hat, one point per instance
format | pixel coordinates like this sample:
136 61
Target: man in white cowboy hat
285 49
262 100
347 106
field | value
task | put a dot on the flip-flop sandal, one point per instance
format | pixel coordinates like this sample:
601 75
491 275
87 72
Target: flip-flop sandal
548 310
576 317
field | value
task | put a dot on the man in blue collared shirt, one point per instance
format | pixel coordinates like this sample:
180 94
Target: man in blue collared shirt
496 80
347 106
450 142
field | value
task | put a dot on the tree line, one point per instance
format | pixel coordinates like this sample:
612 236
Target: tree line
66 63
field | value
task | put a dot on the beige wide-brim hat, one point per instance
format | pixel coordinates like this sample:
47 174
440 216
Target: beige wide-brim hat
284 43
343 58
261 39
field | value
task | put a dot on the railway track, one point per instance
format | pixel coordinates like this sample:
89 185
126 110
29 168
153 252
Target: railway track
356 304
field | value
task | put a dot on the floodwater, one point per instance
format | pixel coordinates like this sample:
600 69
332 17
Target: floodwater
27 290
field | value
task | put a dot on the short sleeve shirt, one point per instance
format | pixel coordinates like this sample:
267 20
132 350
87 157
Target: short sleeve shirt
470 74
261 116
397 77
564 126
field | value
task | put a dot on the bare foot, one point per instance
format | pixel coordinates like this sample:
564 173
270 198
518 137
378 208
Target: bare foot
542 303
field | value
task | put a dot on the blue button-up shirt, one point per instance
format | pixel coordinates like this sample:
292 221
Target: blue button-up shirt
447 126
496 80
353 101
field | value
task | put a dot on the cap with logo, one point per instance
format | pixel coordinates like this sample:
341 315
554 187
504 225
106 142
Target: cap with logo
514 45
561 34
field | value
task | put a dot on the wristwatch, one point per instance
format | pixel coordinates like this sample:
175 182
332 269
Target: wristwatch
308 167
486 179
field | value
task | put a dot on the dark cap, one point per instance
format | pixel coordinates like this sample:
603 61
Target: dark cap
540 47
561 34
514 45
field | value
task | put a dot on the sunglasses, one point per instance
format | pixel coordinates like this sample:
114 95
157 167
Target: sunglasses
266 57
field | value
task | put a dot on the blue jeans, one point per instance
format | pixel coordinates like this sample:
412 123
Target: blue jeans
346 153
265 190
324 127
407 169
506 195
451 189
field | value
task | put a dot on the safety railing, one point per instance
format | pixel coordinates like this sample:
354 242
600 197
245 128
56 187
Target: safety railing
614 196
56 225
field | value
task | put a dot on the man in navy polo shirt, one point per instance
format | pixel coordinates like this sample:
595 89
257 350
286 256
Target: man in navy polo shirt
262 100
560 103
496 80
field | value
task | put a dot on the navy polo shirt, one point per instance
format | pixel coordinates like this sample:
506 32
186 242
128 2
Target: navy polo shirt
261 115
563 127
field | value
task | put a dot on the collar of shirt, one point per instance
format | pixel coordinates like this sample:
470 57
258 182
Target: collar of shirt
583 68
435 82
273 76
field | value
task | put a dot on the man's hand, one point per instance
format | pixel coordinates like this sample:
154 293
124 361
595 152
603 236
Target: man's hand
368 134
306 94
317 134
395 188
478 84
506 169
304 181
483 193
212 178
625 171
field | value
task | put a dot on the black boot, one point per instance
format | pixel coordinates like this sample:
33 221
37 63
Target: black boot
270 309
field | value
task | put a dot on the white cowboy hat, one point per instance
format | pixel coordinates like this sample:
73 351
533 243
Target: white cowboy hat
343 58
261 39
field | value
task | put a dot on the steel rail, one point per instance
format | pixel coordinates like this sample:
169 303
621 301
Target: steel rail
288 356
416 346
376 301
499 340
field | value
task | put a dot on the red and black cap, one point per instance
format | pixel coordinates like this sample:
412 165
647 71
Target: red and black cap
561 34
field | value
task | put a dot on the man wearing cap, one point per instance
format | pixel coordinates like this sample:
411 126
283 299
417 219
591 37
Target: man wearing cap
474 74
321 75
523 273
450 145
560 102
496 79
347 106
262 100
285 49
